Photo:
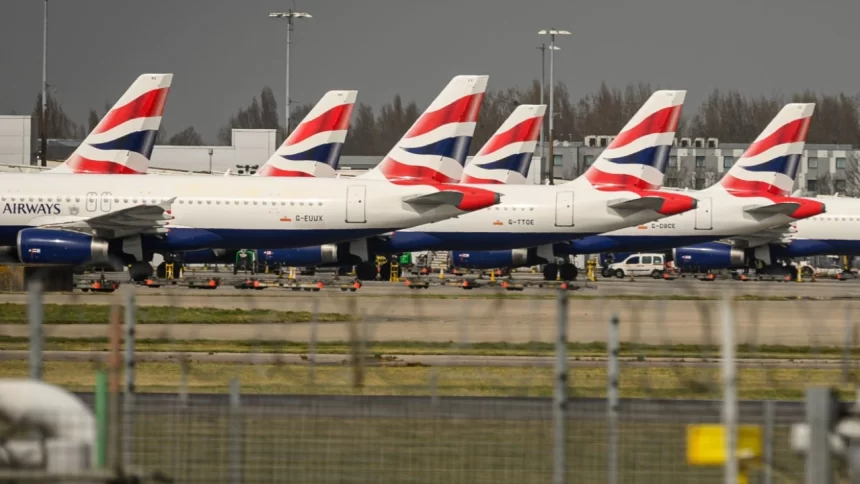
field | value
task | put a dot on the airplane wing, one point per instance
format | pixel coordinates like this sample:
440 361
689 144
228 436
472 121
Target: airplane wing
136 220
774 235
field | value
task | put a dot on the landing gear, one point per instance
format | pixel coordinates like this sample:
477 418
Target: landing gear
550 272
139 271
366 271
385 271
568 272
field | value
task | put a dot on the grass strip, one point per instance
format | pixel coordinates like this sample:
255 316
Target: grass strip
13 313
639 382
575 350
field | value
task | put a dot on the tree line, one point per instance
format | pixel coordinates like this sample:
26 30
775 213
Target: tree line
727 115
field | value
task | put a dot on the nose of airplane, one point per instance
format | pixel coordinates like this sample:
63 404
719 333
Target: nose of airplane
675 203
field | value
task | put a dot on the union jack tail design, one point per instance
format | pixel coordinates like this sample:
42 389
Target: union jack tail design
435 147
313 148
637 157
770 164
507 155
122 141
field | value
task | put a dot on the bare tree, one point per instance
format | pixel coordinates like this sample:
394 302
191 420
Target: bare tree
92 120
852 174
187 137
825 184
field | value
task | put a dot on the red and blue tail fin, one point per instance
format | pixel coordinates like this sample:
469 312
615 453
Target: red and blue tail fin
122 141
313 148
769 166
507 155
436 146
637 157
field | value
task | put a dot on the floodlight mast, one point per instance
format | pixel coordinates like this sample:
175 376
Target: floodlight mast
552 48
289 15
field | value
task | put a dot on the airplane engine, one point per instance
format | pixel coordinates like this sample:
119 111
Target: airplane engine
707 256
60 247
490 259
303 256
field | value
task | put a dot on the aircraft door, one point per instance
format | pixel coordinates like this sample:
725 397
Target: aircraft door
704 214
564 209
92 201
355 204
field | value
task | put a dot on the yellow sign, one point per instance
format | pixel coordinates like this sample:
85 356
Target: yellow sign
706 444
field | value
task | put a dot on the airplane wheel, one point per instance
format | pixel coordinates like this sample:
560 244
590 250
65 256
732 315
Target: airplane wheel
366 271
619 273
568 272
385 272
139 271
161 270
550 272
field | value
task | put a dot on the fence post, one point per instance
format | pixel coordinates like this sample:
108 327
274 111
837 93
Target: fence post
129 389
612 471
312 346
235 444
560 392
35 316
847 344
767 474
820 414
730 397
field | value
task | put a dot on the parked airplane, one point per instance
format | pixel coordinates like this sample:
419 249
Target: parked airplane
752 196
619 190
122 141
71 220
616 193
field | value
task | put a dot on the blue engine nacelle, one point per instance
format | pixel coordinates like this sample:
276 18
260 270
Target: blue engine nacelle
301 257
708 256
60 247
490 259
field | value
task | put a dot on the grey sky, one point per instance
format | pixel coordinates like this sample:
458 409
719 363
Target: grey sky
224 51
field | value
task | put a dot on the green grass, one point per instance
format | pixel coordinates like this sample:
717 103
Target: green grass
575 350
12 313
379 379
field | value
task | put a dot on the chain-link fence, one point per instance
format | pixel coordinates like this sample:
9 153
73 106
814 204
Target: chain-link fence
388 384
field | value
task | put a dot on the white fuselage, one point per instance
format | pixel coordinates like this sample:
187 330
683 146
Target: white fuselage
222 212
528 216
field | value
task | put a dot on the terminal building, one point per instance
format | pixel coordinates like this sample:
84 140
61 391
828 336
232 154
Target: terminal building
694 163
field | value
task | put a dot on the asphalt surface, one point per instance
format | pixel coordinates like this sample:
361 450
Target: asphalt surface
397 317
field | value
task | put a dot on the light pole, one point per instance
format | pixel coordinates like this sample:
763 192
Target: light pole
44 120
552 48
289 15
210 161
542 50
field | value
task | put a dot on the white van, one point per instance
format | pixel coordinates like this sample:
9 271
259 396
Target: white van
639 265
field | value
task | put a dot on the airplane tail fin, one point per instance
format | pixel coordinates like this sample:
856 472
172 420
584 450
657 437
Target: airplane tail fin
769 165
507 155
435 147
313 148
122 141
637 157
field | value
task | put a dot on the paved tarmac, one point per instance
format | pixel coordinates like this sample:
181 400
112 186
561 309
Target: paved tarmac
466 321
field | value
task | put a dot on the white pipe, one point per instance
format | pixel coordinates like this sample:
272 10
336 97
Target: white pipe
63 420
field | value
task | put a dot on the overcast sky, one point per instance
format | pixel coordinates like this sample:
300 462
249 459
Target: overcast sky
224 51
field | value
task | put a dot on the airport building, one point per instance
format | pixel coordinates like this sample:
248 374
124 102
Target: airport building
694 163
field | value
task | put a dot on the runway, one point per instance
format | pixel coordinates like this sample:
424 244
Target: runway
398 317
427 360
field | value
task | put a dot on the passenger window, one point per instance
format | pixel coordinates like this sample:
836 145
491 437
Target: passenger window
646 259
633 260
658 260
